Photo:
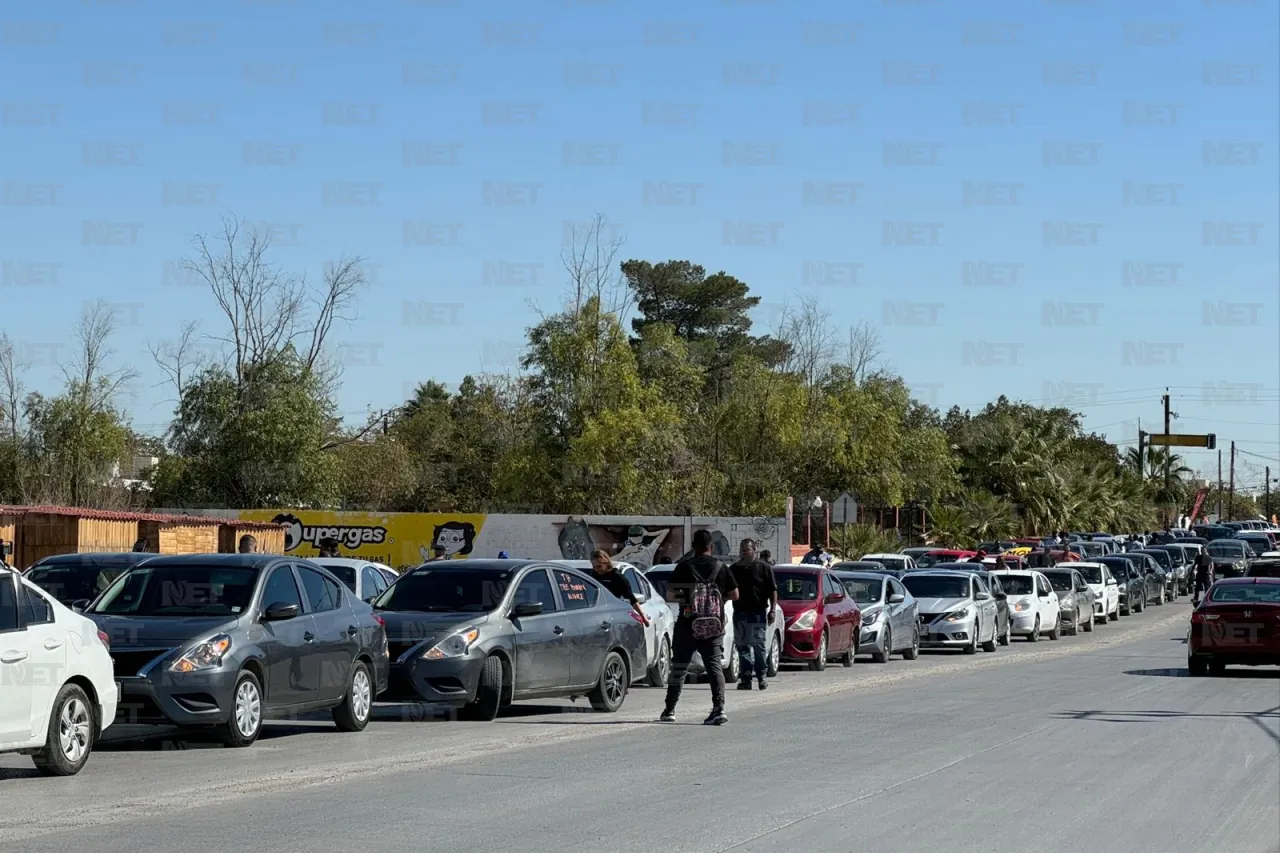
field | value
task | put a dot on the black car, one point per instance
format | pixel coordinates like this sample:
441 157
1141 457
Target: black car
1004 624
77 579
1166 571
1267 567
1183 565
868 567
477 635
1130 581
228 640
1231 557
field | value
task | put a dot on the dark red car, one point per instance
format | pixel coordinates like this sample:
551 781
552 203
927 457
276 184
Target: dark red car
823 620
1238 623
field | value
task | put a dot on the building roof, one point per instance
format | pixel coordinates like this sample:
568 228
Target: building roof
118 515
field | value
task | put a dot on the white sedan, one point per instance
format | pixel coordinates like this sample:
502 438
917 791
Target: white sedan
1033 605
901 562
59 688
1106 591
367 580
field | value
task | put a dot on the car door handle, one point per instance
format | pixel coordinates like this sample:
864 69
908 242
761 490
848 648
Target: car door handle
14 656
352 630
51 645
308 636
604 626
557 630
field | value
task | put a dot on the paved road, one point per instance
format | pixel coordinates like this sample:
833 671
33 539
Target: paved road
1099 742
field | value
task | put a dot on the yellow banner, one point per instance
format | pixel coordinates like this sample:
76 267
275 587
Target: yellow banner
398 540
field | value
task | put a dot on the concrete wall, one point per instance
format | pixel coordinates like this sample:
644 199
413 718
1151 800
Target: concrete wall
406 539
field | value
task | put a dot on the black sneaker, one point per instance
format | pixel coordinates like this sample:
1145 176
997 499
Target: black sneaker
717 718
744 685
667 717
763 685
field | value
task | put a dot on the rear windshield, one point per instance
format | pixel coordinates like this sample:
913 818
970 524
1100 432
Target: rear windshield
863 590
934 559
1225 548
1017 584
796 586
69 582
1091 574
344 573
1060 581
1264 593
889 562
180 591
926 586
660 579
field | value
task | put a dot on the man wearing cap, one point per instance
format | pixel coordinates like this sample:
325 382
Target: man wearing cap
979 557
636 551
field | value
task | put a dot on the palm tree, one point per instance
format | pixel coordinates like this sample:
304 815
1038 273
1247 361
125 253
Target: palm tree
947 526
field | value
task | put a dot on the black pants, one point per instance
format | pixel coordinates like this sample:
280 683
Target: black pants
1202 585
712 653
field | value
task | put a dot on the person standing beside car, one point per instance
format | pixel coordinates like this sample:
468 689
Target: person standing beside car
753 614
603 570
1204 575
699 586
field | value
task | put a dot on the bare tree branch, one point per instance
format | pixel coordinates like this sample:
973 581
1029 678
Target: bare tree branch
87 374
864 352
179 359
807 329
591 259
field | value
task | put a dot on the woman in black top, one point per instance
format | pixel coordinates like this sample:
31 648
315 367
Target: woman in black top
607 576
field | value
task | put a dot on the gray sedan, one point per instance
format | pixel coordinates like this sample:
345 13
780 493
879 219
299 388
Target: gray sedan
890 616
1074 597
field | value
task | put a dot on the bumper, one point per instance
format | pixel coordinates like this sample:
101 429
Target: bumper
195 699
109 704
1022 623
946 635
444 682
871 640
801 645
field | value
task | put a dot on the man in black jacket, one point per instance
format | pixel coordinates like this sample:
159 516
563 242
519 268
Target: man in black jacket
753 614
701 569
1204 575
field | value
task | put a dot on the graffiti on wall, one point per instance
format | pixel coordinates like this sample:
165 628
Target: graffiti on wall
640 546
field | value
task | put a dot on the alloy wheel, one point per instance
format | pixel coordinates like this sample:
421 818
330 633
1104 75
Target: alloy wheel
614 676
248 709
74 727
361 695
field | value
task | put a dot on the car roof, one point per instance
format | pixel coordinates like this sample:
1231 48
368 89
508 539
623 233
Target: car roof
884 555
83 556
1076 564
1245 581
1027 572
937 573
248 561
345 561
586 564
509 565
863 575
799 567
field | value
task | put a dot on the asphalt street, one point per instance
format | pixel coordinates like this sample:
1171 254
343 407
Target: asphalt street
1098 742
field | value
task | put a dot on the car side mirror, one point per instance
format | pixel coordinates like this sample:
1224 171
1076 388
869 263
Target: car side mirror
1002 596
833 598
279 611
982 596
526 608
897 598
80 604
1112 582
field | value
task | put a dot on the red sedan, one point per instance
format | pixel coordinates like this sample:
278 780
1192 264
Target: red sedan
1238 623
823 620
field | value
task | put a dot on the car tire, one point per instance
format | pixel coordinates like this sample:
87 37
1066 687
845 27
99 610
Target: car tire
1142 603
1160 598
611 690
1217 667
1088 625
735 666
775 657
1197 667
972 648
1114 617
819 663
913 652
357 706
848 657
883 657
1056 632
990 645
484 707
659 672
245 721
69 738
1007 637
1034 636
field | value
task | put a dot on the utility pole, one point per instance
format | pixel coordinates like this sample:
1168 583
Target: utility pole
1220 519
1142 464
1231 489
1168 456
1267 487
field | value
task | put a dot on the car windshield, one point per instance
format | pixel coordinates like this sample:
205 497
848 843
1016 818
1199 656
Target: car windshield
447 591
343 572
1223 548
934 559
796 586
1017 584
888 562
863 590
1060 581
75 581
1161 557
659 579
190 590
1263 593
1092 574
934 586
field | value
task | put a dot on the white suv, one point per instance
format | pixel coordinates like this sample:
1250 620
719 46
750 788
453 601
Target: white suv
57 688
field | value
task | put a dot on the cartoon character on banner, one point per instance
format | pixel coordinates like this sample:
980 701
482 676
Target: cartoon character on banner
641 546
448 540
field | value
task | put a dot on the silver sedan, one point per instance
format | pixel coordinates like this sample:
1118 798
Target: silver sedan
890 617
1074 597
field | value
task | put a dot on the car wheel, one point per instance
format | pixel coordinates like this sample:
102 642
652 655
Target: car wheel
353 714
913 652
69 738
245 722
972 648
484 707
1056 632
775 657
990 645
883 657
819 663
611 689
1142 603
1216 667
1088 623
1198 666
735 666
1160 598
661 668
1034 636
1007 637
848 657
1114 616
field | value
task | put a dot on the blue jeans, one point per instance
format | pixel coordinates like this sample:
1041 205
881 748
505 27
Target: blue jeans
750 633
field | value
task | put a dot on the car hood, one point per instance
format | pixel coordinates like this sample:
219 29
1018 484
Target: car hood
405 626
144 631
941 605
795 608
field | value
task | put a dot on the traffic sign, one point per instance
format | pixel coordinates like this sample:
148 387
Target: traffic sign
1209 441
844 510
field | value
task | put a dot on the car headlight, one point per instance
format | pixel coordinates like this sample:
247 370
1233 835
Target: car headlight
455 645
805 621
202 656
869 617
1022 606
958 615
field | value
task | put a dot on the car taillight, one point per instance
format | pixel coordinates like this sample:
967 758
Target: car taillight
634 615
1199 617
106 641
380 620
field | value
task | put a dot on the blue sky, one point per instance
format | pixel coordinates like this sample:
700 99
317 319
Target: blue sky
1015 193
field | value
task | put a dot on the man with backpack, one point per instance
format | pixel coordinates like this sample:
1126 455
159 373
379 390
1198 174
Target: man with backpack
699 586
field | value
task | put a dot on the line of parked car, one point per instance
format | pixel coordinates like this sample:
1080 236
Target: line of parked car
223 642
